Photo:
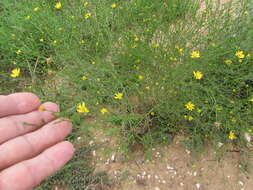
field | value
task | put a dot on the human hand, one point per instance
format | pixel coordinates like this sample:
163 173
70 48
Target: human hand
31 141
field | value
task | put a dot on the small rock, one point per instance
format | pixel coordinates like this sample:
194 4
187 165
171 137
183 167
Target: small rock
113 158
157 188
170 168
198 185
220 144
247 137
240 183
181 184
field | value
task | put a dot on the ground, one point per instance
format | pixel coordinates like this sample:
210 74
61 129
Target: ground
170 167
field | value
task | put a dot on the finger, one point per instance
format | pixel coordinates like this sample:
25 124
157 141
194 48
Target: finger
13 126
27 174
18 103
32 144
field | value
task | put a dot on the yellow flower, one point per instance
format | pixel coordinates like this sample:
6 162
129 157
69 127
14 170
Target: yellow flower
232 135
58 5
55 42
84 77
197 75
15 72
27 17
228 61
136 39
87 15
118 96
18 52
240 54
41 40
104 111
36 9
42 108
140 77
251 100
147 87
189 118
85 4
195 54
93 63
152 113
156 45
190 106
114 5
81 108
179 49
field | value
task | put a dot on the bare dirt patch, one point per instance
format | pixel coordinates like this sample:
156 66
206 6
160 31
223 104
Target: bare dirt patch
170 167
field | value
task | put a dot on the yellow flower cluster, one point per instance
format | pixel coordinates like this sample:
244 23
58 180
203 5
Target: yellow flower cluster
81 108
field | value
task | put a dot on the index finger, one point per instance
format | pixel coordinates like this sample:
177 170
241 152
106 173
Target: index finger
18 103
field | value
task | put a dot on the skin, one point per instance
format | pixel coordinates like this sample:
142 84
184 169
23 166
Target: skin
32 145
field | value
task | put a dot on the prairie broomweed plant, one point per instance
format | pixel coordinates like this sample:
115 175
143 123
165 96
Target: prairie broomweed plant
81 108
240 54
141 77
232 135
18 52
228 61
42 108
36 9
87 15
195 54
197 75
114 5
58 5
118 96
15 73
104 111
190 106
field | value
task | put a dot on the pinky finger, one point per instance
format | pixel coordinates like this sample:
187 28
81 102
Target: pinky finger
27 174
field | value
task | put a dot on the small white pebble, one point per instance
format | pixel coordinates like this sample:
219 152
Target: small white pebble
247 137
91 143
163 181
159 181
94 153
198 185
240 183
170 168
149 176
156 176
157 188
195 174
228 176
181 184
220 144
144 173
78 138
187 151
113 157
